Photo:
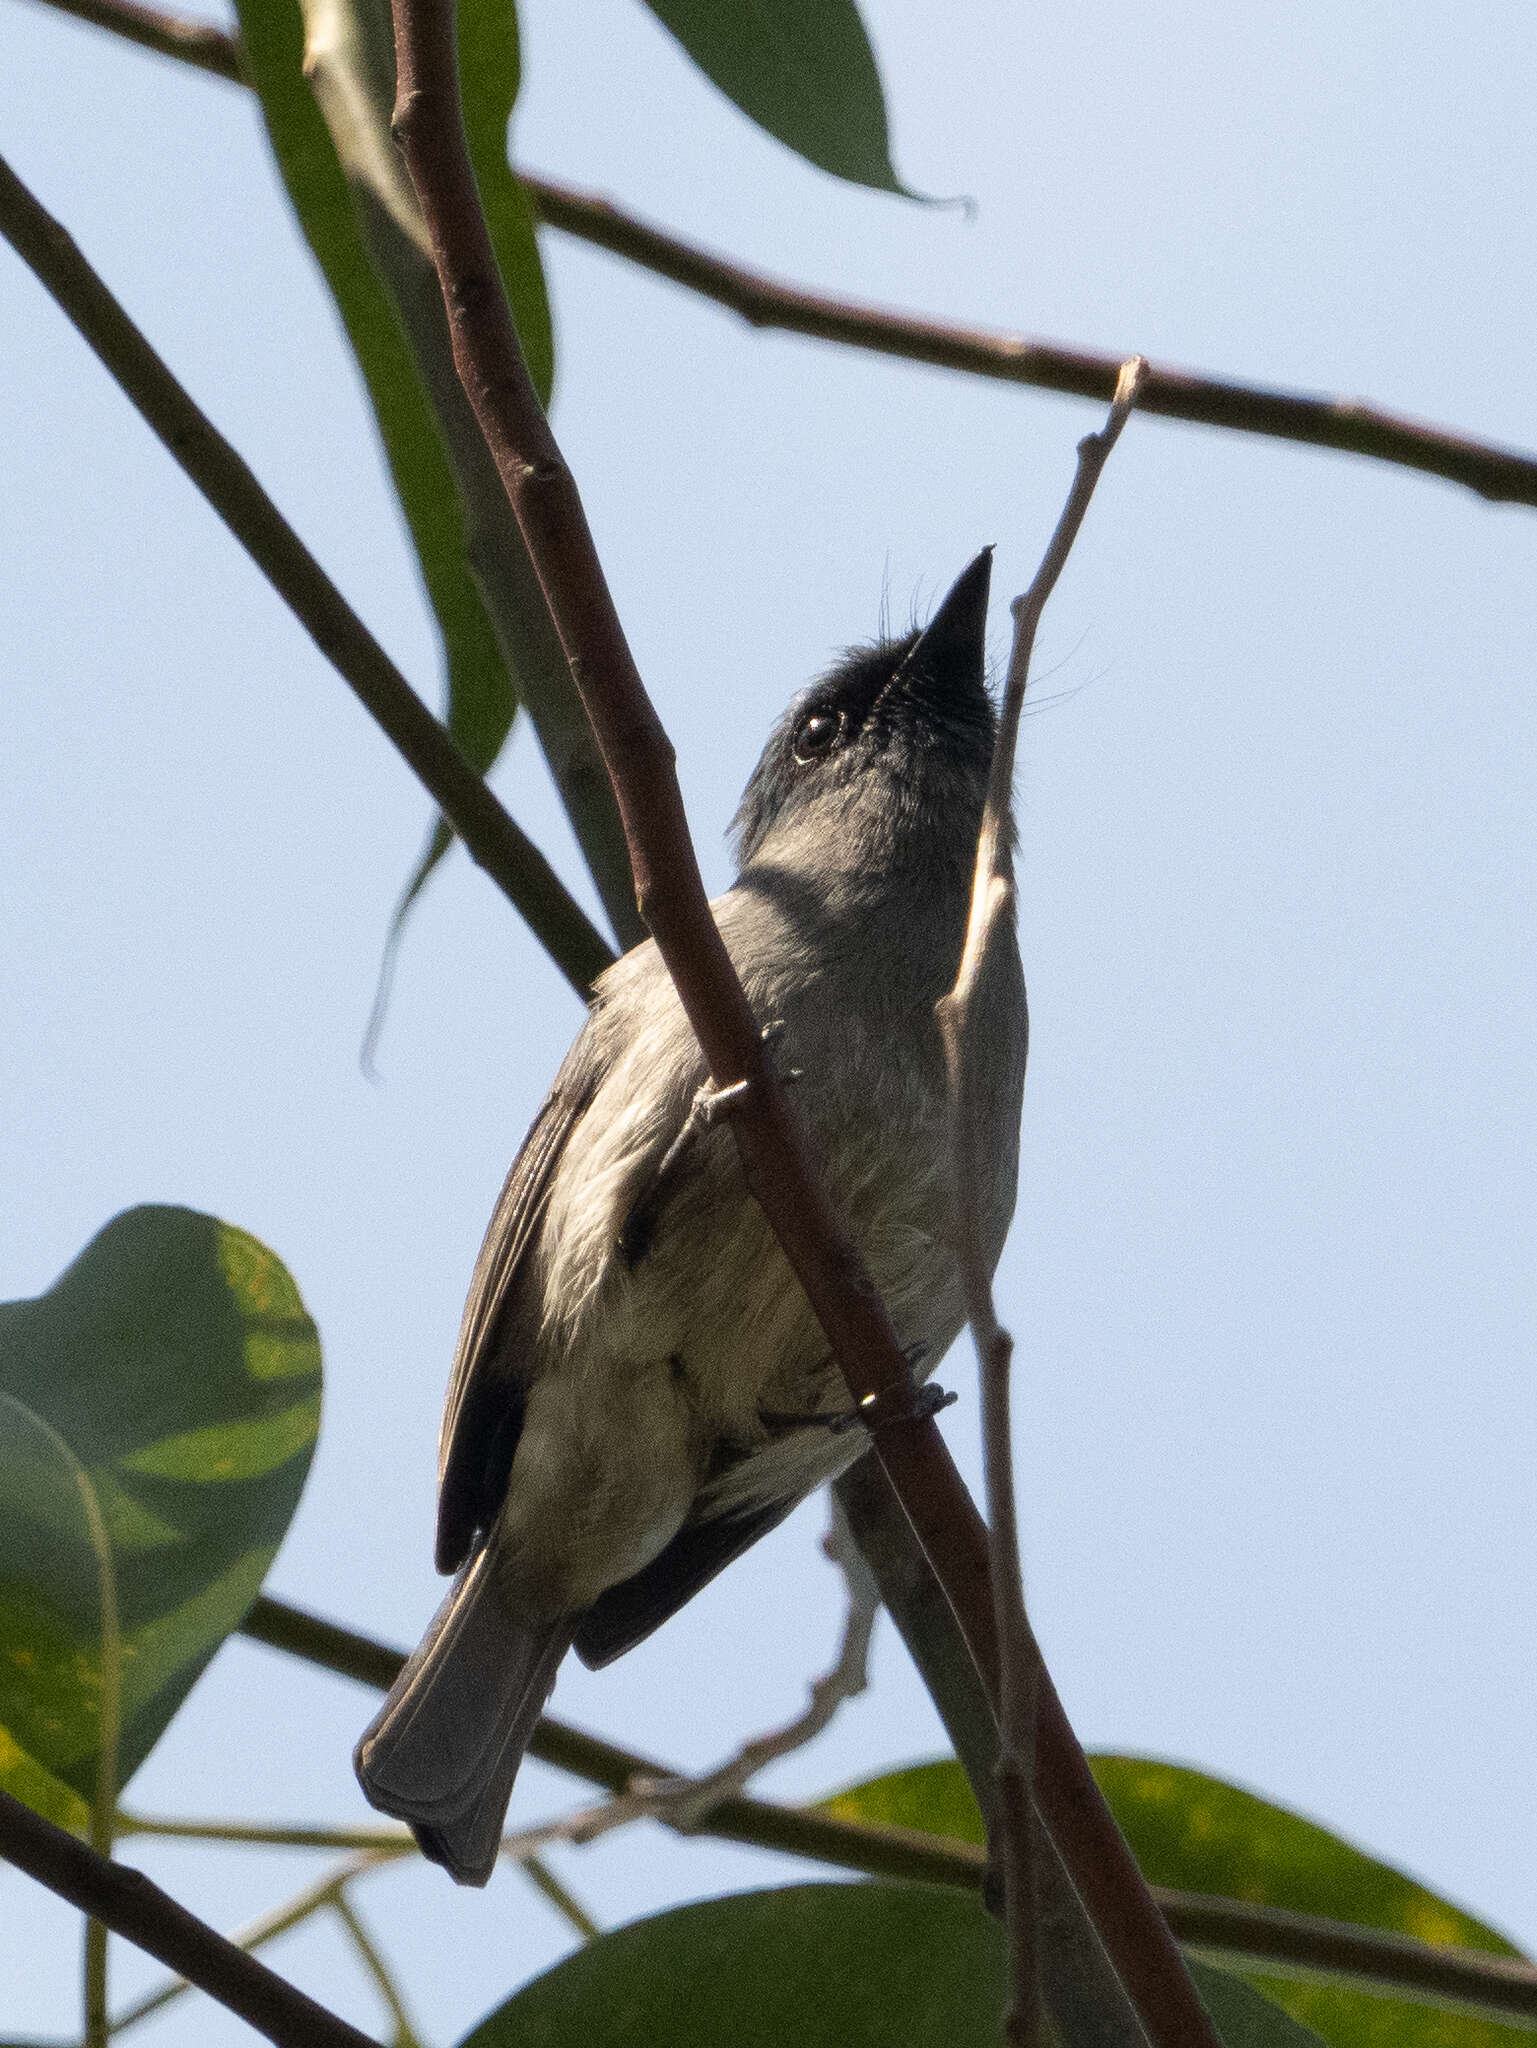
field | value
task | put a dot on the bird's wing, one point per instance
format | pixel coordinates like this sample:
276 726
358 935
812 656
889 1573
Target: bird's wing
628 1612
483 1414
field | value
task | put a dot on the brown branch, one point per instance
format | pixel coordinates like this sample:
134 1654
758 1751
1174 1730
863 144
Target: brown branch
1501 1987
126 1901
429 126
492 838
1350 426
169 35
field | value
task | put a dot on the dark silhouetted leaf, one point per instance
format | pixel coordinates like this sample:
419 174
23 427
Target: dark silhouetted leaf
802 69
811 1966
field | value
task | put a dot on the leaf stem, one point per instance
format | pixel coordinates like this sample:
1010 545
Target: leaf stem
570 1908
377 1968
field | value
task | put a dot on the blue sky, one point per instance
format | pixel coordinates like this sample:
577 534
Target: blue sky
1270 1274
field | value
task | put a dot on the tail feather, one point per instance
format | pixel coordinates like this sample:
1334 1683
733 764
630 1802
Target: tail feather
443 1750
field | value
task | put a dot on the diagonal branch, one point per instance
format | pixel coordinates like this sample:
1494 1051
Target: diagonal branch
198 43
493 839
126 1901
1349 425
429 126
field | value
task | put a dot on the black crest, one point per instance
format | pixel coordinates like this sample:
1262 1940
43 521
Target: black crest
907 708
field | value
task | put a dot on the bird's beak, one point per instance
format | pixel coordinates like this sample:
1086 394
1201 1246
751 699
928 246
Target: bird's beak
952 648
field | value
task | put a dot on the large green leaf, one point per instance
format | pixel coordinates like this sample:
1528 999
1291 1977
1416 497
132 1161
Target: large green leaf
802 69
810 1966
1196 1833
481 690
158 1411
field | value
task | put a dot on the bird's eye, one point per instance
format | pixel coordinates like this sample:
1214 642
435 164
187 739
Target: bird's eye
817 734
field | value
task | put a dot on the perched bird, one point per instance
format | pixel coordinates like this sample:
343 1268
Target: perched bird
640 1389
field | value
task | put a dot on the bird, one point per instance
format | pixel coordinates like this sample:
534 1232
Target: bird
640 1389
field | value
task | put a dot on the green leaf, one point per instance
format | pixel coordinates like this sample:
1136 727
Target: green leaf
354 71
1200 1834
810 1966
814 1965
1244 2017
802 69
935 1798
158 1411
1196 1833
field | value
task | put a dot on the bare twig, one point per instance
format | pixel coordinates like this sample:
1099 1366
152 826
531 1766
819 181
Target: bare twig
499 845
549 1886
961 1022
687 1803
126 1901
1349 425
319 1894
377 1968
170 35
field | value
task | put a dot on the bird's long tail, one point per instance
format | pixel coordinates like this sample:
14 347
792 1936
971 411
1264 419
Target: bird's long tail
443 1750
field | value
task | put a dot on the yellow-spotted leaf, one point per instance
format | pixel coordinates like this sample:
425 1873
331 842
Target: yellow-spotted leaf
1195 1833
158 1410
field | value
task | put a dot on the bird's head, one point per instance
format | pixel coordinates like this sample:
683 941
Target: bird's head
884 759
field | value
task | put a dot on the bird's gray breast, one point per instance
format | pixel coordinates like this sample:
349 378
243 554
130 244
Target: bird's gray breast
852 993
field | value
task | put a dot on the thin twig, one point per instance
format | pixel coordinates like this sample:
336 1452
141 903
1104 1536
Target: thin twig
498 844
962 1023
170 35
549 1886
263 1834
377 1968
320 1893
1350 426
685 1803
127 1902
